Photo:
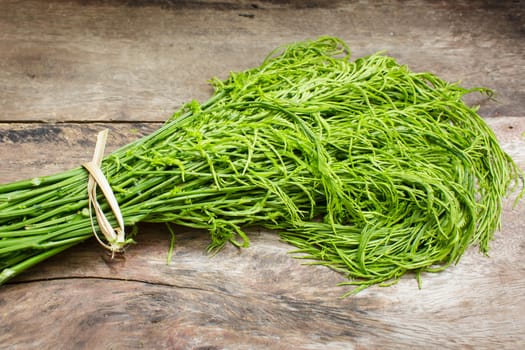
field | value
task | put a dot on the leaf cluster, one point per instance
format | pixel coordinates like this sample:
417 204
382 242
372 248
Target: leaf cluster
364 166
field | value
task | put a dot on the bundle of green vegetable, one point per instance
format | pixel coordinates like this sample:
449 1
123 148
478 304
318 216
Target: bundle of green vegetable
363 165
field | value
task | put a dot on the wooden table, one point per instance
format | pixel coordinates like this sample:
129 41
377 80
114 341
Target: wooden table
71 68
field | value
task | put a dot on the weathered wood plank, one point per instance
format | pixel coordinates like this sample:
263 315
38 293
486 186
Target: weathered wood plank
260 298
139 60
36 149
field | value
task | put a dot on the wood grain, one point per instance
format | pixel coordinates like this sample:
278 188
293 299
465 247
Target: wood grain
35 149
139 60
68 69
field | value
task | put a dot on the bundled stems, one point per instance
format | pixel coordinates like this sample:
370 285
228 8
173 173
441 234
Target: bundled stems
364 166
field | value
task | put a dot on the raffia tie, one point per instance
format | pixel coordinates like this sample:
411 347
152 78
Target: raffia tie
115 237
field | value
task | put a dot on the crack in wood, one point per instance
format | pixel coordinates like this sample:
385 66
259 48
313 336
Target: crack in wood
107 278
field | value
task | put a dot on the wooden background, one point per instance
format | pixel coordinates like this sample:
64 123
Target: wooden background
71 68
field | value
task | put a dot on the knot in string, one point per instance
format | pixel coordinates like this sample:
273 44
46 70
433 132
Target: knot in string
115 237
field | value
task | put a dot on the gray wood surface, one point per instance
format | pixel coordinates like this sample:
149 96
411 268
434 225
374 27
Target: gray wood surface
71 68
